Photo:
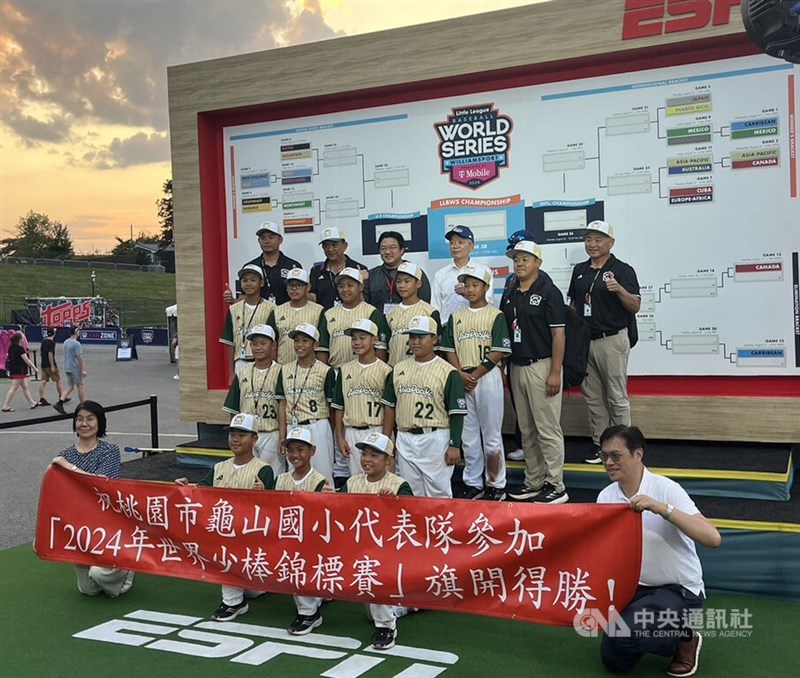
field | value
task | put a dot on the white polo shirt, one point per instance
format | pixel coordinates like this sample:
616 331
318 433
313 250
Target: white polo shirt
668 555
443 296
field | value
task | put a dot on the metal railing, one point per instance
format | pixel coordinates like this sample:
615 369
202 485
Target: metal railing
83 263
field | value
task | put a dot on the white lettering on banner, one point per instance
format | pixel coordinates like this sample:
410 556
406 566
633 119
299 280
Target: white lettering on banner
239 643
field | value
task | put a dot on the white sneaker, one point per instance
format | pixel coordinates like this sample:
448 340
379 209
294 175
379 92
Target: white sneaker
516 455
177 377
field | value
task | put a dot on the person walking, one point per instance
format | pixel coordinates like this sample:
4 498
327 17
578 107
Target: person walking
17 364
49 369
74 368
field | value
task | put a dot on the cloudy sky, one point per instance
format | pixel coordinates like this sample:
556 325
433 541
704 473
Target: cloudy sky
83 94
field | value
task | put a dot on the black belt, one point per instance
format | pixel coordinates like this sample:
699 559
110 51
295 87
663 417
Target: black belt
603 335
524 362
419 431
306 422
360 428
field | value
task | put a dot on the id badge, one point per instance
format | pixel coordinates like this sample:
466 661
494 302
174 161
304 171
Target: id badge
517 333
272 299
242 354
337 303
295 420
587 310
388 308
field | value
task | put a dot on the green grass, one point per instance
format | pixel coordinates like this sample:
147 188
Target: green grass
140 297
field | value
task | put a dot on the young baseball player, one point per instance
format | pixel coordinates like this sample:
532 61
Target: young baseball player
424 397
304 390
409 282
333 340
244 472
475 341
376 457
249 311
299 309
300 451
253 392
357 407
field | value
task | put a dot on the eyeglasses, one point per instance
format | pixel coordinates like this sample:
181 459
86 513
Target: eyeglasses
388 248
614 457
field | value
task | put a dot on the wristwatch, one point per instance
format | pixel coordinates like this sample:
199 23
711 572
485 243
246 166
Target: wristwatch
668 515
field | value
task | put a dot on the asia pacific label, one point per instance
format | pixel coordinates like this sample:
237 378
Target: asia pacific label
474 144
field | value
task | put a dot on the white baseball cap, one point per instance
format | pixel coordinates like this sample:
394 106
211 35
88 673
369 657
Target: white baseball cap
410 269
527 246
261 331
251 268
363 325
305 328
379 442
601 227
270 226
331 233
422 324
297 274
243 422
350 272
478 272
300 434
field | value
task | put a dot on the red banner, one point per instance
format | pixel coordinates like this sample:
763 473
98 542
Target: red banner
531 562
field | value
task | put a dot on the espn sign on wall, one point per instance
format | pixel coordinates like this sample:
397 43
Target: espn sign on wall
647 18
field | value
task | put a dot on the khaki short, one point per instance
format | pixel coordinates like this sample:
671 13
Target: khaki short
50 374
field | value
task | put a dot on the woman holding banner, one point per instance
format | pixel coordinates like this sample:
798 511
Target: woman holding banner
92 456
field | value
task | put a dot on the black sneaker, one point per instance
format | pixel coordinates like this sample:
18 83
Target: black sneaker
229 612
44 402
470 492
525 493
59 407
66 400
494 494
384 639
305 623
594 458
550 495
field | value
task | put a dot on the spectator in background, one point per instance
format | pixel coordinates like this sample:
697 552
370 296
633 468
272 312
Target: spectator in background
17 364
176 352
381 288
49 368
74 369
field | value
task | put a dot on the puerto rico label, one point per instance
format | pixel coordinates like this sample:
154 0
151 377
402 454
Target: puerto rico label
474 143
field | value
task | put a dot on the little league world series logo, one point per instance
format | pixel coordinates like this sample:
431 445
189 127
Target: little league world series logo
474 143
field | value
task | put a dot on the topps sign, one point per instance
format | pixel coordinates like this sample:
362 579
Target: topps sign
474 143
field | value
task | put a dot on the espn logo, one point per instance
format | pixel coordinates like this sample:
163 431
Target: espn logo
646 18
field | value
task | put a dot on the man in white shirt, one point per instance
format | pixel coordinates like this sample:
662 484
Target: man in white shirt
671 577
447 294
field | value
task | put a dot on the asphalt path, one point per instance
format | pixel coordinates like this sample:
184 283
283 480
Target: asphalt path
26 451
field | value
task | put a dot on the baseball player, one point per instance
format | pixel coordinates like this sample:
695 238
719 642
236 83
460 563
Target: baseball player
376 457
249 311
408 281
299 309
243 471
305 389
357 407
253 392
424 397
475 342
333 340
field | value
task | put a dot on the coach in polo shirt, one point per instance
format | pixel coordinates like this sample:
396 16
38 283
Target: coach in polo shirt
323 273
448 294
604 290
274 264
534 311
381 288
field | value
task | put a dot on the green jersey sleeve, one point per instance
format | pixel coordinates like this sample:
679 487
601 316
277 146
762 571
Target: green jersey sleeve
448 341
324 343
279 394
330 384
501 341
383 329
233 399
389 397
267 476
338 394
227 330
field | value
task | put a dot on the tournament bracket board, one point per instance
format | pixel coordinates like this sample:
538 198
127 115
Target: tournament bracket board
695 167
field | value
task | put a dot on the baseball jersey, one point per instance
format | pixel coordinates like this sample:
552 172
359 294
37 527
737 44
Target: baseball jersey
391 481
474 333
241 317
424 395
313 481
229 474
337 319
358 391
253 392
398 320
306 390
443 294
285 318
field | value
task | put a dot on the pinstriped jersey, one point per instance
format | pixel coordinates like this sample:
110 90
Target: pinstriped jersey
307 391
285 318
228 474
253 392
241 317
424 394
391 481
337 320
314 481
474 333
359 389
398 320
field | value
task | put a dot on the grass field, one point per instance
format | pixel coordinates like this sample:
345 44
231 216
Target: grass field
140 297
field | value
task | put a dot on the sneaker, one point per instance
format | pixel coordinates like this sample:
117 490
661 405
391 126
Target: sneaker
687 656
594 458
550 495
470 492
305 623
229 612
44 402
525 493
384 639
59 407
177 377
66 400
516 455
494 494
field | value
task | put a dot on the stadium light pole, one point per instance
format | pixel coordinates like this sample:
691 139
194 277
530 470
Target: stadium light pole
94 277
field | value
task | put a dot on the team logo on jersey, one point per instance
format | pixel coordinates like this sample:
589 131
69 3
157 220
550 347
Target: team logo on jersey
462 403
536 299
608 275
284 272
506 343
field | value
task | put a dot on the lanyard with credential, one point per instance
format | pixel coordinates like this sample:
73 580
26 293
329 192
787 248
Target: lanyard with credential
261 388
301 391
246 328
588 301
390 283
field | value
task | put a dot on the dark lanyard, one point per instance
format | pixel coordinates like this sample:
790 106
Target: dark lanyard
591 287
246 327
263 383
303 387
390 282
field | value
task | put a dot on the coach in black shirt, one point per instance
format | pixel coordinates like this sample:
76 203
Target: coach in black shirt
323 273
